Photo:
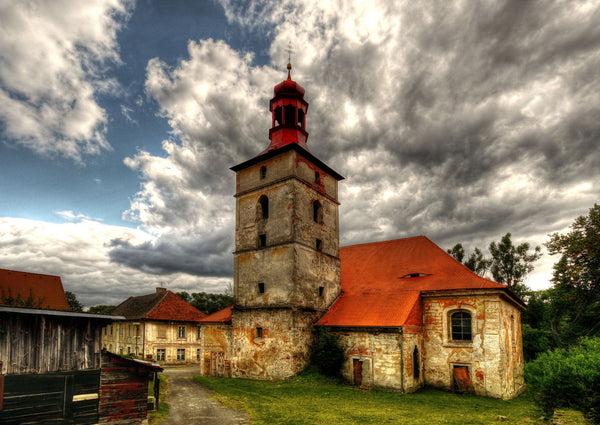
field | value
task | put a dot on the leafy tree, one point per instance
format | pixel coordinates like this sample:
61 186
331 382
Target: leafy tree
535 319
576 279
18 300
511 264
475 261
207 303
74 304
568 378
328 356
102 309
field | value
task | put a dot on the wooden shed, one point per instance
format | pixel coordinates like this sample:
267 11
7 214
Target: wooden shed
50 365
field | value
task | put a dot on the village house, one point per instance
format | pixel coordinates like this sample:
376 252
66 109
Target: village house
51 367
160 327
407 313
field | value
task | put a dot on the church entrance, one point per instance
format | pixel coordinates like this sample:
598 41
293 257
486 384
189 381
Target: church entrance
358 367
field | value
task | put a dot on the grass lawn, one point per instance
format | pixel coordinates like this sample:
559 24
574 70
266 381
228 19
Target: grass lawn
314 399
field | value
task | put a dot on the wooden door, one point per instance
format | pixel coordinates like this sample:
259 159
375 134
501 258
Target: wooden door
358 372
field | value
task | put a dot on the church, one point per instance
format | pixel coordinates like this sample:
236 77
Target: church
407 314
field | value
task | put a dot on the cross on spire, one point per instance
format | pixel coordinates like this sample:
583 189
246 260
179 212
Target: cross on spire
289 51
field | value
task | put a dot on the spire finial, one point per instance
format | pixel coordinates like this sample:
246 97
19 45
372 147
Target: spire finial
289 50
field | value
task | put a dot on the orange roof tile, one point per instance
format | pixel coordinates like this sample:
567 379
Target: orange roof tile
377 289
223 315
162 305
46 290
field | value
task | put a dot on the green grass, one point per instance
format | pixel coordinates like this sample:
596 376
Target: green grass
157 416
313 399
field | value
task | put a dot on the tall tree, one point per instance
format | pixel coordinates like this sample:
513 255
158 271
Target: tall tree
74 303
511 264
475 261
576 279
102 309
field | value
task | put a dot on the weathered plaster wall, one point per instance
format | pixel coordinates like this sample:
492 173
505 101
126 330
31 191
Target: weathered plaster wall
216 344
386 356
283 350
493 357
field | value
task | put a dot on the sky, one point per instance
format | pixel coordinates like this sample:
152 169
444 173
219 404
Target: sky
119 121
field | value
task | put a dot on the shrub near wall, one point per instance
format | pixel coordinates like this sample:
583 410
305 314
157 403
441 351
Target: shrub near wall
568 378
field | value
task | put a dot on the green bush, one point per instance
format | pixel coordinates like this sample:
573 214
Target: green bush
328 356
568 378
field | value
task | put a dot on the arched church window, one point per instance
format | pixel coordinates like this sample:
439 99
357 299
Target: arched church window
262 209
460 325
278 115
317 212
317 177
416 363
290 115
263 172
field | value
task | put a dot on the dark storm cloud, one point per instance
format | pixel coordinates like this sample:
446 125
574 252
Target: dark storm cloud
210 256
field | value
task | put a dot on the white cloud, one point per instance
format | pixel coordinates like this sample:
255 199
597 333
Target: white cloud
52 61
80 254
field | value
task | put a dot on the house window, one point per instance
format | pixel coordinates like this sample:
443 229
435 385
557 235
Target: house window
162 331
262 240
128 350
262 208
111 329
460 323
121 329
160 354
181 332
199 336
129 331
317 212
319 245
263 172
259 332
137 331
181 354
198 354
261 288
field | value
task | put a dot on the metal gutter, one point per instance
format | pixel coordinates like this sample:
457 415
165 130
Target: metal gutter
44 312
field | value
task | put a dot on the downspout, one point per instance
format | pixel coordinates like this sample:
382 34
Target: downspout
401 360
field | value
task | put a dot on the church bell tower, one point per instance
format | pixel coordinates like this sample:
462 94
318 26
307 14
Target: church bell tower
286 259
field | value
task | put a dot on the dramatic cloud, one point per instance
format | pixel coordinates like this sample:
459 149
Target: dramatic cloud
79 253
53 58
455 120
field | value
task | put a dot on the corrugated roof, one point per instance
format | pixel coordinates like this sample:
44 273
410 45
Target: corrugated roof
377 287
46 290
223 316
162 305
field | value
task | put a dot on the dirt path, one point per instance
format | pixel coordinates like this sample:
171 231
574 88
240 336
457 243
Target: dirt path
190 404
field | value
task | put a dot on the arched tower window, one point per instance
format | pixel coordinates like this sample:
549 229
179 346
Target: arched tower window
301 118
416 363
290 115
278 120
262 209
317 212
460 326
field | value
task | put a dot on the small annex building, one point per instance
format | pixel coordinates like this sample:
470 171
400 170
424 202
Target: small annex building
160 327
407 313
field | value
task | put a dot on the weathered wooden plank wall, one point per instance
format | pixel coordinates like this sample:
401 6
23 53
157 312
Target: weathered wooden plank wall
38 343
123 392
67 398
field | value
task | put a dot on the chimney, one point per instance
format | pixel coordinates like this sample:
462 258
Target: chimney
159 290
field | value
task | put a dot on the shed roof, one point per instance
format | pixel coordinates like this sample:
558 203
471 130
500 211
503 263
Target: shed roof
46 291
382 282
162 305
221 316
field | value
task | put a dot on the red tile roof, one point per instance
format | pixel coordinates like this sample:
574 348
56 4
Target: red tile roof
222 316
377 289
46 290
162 305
